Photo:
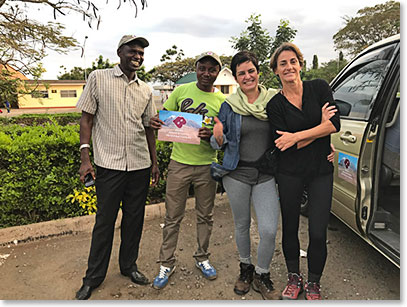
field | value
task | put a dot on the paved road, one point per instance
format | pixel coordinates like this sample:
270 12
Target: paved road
52 268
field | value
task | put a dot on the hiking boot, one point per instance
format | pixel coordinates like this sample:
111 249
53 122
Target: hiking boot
163 276
263 284
312 291
207 269
294 287
242 285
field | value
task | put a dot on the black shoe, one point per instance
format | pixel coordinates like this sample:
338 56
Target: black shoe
137 277
84 292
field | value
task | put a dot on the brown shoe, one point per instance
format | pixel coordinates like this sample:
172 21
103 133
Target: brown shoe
264 285
242 285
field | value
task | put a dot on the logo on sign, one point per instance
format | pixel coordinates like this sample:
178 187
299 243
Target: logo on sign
179 121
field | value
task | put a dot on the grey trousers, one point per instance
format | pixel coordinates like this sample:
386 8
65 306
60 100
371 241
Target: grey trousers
267 208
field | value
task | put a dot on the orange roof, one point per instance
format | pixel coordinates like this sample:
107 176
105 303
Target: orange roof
16 74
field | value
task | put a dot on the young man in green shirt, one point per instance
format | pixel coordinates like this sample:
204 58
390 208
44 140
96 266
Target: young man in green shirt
190 164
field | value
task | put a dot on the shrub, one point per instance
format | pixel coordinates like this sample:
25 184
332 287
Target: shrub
38 168
86 199
39 178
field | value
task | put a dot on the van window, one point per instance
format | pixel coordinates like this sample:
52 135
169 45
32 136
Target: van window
356 92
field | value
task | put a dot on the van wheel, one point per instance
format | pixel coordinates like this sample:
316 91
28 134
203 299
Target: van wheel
304 202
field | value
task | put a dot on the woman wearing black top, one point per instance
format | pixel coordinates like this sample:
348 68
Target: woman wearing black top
302 117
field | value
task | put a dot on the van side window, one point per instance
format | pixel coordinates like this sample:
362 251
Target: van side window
356 93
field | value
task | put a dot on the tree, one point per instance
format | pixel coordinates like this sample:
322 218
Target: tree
24 41
315 62
226 60
172 52
175 67
371 25
258 40
327 70
78 73
284 34
341 57
170 72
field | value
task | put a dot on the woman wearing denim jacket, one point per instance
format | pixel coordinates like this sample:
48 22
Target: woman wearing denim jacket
243 131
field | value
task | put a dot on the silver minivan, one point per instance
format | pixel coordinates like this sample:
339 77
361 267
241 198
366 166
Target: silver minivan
366 194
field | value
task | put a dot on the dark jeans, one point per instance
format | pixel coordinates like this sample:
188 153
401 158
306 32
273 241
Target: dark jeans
319 198
112 188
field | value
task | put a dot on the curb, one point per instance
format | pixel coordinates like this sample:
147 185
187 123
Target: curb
32 232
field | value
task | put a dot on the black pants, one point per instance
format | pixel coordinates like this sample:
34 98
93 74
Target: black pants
112 188
319 198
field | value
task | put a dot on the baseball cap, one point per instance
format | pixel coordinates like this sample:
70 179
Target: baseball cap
209 54
129 38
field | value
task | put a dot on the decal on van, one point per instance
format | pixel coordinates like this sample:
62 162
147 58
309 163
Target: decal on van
347 167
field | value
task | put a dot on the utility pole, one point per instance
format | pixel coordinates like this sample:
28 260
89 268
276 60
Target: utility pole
84 57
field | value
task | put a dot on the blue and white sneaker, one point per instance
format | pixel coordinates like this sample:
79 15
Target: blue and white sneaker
207 269
162 278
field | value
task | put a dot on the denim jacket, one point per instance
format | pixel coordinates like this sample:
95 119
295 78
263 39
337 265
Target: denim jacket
232 123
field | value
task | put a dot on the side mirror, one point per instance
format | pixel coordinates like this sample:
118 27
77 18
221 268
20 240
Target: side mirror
343 107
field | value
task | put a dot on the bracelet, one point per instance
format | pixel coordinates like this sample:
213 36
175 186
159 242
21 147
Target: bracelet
84 146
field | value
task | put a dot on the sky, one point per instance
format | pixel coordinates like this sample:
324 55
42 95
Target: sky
197 26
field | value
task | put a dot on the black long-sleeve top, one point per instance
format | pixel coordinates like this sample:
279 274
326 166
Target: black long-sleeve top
311 160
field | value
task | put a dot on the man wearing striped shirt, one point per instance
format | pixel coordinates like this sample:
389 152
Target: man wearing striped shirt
116 109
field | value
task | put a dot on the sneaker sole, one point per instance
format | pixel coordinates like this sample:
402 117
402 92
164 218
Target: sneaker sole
239 292
207 277
258 290
171 272
291 299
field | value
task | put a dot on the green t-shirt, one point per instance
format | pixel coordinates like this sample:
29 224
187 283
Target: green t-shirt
189 98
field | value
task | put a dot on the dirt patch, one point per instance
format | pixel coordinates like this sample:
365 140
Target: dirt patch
53 268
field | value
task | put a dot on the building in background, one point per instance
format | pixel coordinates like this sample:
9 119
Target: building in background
52 94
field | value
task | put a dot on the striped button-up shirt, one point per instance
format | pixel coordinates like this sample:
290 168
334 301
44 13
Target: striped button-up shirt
121 110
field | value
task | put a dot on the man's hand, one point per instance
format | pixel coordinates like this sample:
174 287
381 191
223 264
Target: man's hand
327 112
86 168
218 131
155 122
286 140
204 133
155 175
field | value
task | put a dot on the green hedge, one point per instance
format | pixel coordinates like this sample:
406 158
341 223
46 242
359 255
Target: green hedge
40 119
39 169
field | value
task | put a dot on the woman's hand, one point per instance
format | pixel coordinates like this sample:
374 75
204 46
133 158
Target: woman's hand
218 131
286 140
331 156
327 112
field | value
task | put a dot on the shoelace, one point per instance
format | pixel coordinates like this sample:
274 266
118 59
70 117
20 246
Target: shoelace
206 265
163 271
244 275
292 285
313 289
268 282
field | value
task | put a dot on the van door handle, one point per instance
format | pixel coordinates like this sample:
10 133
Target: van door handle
348 137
